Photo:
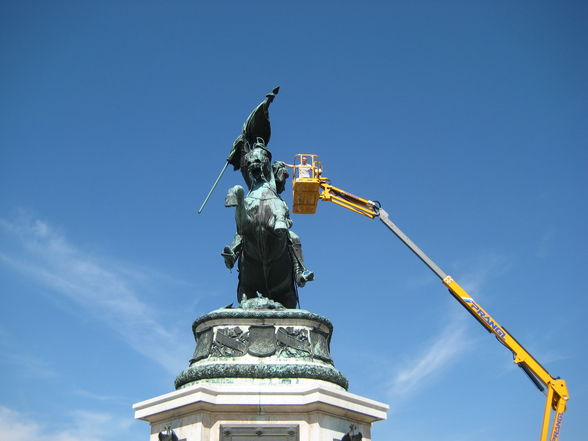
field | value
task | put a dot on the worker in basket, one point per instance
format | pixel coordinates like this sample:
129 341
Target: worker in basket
305 170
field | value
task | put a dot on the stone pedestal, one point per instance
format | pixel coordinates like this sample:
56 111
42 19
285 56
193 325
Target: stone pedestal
263 374
314 411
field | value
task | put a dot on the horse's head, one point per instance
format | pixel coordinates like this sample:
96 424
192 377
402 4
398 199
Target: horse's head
257 163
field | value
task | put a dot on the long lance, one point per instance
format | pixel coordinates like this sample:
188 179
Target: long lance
220 175
213 186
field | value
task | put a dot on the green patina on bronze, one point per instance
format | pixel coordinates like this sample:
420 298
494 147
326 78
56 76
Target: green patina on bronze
288 344
292 371
268 253
232 313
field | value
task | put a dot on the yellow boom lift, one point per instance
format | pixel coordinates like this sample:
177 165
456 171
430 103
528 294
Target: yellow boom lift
309 186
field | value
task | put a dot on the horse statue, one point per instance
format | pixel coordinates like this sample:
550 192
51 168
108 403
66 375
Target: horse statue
269 255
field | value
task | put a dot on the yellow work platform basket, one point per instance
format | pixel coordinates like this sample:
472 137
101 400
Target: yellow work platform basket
306 183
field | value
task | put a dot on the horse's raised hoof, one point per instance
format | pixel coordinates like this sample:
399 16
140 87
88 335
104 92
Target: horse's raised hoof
234 196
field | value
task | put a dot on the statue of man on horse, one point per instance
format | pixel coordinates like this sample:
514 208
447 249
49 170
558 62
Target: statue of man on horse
267 252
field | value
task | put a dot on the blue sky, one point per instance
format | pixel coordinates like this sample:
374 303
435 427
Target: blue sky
467 120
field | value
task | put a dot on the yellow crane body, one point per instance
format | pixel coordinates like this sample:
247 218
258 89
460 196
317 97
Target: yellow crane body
555 388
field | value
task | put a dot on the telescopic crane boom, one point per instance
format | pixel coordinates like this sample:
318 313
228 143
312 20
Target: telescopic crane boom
309 186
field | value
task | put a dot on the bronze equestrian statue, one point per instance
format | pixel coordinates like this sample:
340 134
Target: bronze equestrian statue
268 253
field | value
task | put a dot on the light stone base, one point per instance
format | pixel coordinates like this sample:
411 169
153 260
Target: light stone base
321 410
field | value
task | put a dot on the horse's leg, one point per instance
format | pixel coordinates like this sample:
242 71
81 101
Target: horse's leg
281 280
251 279
244 290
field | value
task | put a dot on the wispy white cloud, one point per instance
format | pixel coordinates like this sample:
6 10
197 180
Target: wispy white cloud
440 353
451 341
105 289
81 426
471 274
480 271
